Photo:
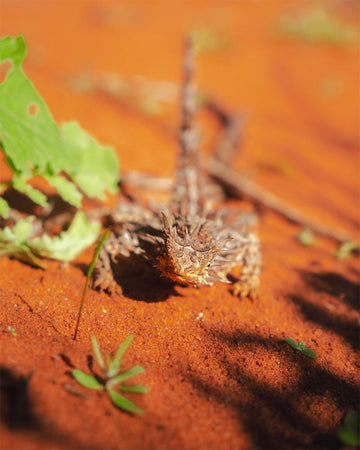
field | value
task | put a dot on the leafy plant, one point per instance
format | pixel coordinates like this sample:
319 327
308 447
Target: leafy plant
34 144
301 347
67 157
349 433
316 25
112 379
20 243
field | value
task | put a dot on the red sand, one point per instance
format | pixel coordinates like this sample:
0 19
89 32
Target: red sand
226 380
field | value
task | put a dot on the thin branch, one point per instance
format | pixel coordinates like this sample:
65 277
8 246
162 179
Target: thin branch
246 188
230 137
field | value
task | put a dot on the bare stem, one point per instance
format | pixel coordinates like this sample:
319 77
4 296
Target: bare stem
246 188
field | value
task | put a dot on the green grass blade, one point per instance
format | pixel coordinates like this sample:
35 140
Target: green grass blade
349 433
123 403
97 353
86 380
4 208
136 370
292 343
115 364
90 271
138 388
309 353
96 254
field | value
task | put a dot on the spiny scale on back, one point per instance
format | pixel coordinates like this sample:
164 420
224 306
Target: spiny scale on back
184 241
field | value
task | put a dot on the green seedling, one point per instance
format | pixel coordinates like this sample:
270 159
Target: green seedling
301 347
66 156
71 160
19 242
349 433
88 278
307 237
111 379
345 250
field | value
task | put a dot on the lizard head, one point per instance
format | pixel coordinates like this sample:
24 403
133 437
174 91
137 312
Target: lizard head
189 249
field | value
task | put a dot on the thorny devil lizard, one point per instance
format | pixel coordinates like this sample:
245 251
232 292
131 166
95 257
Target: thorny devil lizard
184 241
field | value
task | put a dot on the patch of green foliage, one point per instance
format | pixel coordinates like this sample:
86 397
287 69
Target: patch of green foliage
307 237
345 250
301 347
66 156
112 379
34 144
316 25
349 433
19 243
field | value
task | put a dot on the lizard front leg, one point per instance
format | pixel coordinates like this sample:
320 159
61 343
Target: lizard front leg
103 278
249 258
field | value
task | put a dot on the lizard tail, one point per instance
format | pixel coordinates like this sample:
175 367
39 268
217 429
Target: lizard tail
186 196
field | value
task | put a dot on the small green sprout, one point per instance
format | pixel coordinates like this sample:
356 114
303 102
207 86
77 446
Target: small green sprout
112 378
345 250
301 347
306 237
349 433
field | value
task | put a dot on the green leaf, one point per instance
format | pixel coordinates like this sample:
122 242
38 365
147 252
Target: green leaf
345 249
67 190
14 242
97 167
115 364
136 370
4 208
309 353
307 237
97 353
34 145
19 233
13 49
86 380
123 403
19 183
64 247
136 388
292 343
349 433
31 141
70 243
20 252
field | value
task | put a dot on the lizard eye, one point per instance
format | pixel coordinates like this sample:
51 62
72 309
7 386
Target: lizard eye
208 265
